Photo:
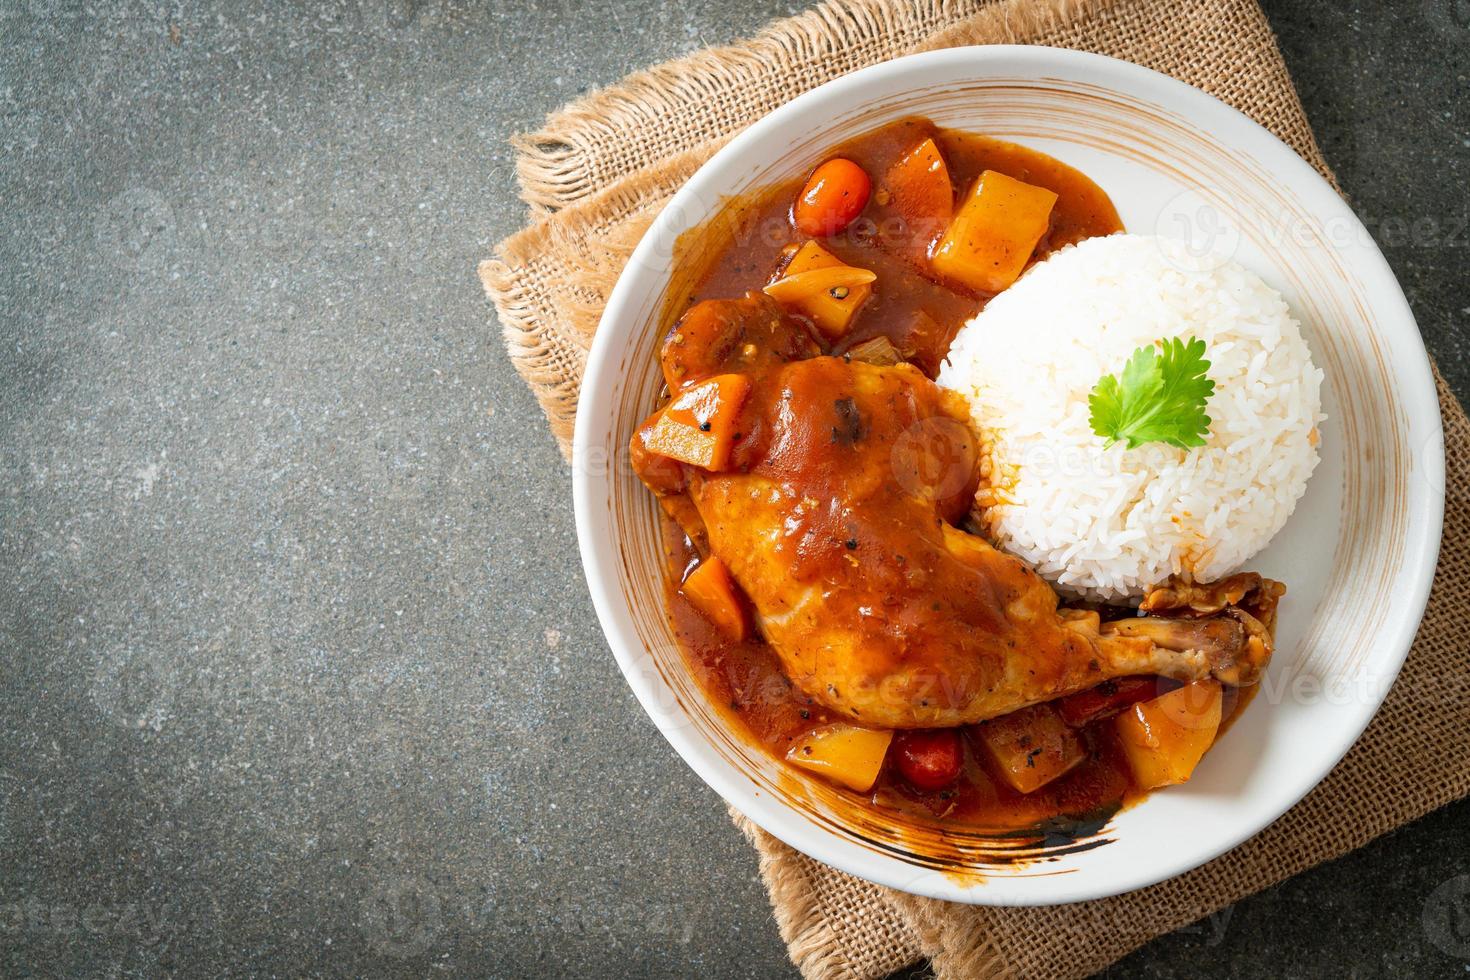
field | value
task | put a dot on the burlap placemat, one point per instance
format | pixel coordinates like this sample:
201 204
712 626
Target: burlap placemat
599 170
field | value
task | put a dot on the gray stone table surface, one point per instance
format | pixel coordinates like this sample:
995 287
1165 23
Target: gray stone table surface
298 673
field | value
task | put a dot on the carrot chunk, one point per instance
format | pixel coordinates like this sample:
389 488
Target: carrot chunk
1031 747
1165 738
922 193
699 426
711 590
821 286
990 240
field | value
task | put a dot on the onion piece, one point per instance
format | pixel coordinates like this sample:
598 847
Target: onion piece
876 350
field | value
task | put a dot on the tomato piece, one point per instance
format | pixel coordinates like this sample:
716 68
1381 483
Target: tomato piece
1108 698
834 195
711 590
699 426
1165 738
922 192
929 759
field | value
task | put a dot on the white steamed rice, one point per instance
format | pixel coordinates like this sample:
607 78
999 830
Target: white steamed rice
1107 524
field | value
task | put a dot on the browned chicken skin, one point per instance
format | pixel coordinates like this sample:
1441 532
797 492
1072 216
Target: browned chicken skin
837 517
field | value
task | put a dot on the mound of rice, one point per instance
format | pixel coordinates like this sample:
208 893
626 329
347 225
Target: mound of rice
1107 524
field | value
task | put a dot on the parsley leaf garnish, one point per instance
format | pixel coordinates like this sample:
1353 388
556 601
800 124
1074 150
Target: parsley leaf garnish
1160 398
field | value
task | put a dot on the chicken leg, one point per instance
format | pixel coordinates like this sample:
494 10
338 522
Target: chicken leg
838 519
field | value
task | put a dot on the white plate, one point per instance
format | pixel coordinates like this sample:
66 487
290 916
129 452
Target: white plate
1357 556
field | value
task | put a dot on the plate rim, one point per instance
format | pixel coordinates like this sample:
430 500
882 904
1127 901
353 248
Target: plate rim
1420 402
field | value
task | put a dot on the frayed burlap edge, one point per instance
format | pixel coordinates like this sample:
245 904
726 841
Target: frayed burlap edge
824 915
814 946
1012 23
548 312
664 110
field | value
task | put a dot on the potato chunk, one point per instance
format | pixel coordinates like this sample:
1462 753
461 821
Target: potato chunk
992 237
845 754
1031 747
1165 738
